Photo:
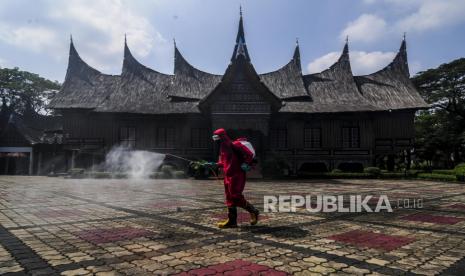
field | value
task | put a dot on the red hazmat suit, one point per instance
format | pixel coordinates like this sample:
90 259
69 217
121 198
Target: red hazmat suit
232 155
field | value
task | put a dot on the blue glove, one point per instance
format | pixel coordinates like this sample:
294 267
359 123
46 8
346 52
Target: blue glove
245 167
211 165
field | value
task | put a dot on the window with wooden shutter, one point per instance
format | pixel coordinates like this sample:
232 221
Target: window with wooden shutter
165 137
312 137
200 138
350 137
278 138
127 137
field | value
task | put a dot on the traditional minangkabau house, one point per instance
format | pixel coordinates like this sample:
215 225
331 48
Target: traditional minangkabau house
326 120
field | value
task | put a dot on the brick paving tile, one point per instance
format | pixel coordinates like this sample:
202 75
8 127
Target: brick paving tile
56 226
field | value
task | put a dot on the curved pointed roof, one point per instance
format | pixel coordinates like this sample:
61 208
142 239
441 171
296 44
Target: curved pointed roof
391 87
287 82
141 90
334 89
190 82
84 86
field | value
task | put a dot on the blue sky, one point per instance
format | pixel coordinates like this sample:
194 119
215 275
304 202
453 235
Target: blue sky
34 34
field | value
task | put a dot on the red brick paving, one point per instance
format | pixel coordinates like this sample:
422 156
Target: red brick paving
433 219
369 239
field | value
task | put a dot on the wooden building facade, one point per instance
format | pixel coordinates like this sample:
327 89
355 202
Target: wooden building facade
324 120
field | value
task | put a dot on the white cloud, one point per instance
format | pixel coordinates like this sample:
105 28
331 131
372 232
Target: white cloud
98 29
35 38
366 28
423 15
361 62
107 21
369 62
323 62
432 14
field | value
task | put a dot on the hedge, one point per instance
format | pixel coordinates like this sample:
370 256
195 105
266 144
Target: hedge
446 172
372 170
460 172
437 176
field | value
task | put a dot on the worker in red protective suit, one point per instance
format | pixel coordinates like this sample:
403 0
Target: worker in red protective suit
235 160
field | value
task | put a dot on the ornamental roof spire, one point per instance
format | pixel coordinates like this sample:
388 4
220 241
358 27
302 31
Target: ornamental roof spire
240 49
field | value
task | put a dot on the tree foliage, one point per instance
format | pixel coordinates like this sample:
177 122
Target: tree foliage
22 90
440 131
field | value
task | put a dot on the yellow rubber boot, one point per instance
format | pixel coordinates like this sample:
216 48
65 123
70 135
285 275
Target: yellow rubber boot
231 221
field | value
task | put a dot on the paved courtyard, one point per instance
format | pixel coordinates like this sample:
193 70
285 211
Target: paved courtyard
58 226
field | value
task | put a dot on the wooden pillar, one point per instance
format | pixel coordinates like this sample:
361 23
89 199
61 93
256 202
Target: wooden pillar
73 156
31 162
7 161
391 162
93 162
39 163
409 159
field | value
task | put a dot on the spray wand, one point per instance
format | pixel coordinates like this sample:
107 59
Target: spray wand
191 161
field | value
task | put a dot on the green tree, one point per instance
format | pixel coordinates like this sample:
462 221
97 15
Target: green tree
440 131
22 90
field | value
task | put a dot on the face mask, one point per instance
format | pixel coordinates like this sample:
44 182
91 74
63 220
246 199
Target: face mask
216 138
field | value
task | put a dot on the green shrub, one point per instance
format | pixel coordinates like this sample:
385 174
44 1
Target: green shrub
413 173
76 173
394 175
349 175
167 170
336 171
460 172
119 175
437 176
100 175
447 172
336 175
157 175
375 171
199 169
178 174
274 165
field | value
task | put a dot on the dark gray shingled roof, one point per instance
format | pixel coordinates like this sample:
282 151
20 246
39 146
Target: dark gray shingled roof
35 128
333 90
84 87
287 82
391 88
142 90
190 82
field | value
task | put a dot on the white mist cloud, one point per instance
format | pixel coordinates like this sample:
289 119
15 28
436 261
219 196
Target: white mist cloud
98 29
323 62
107 21
35 38
432 14
110 19
421 15
362 62
366 28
